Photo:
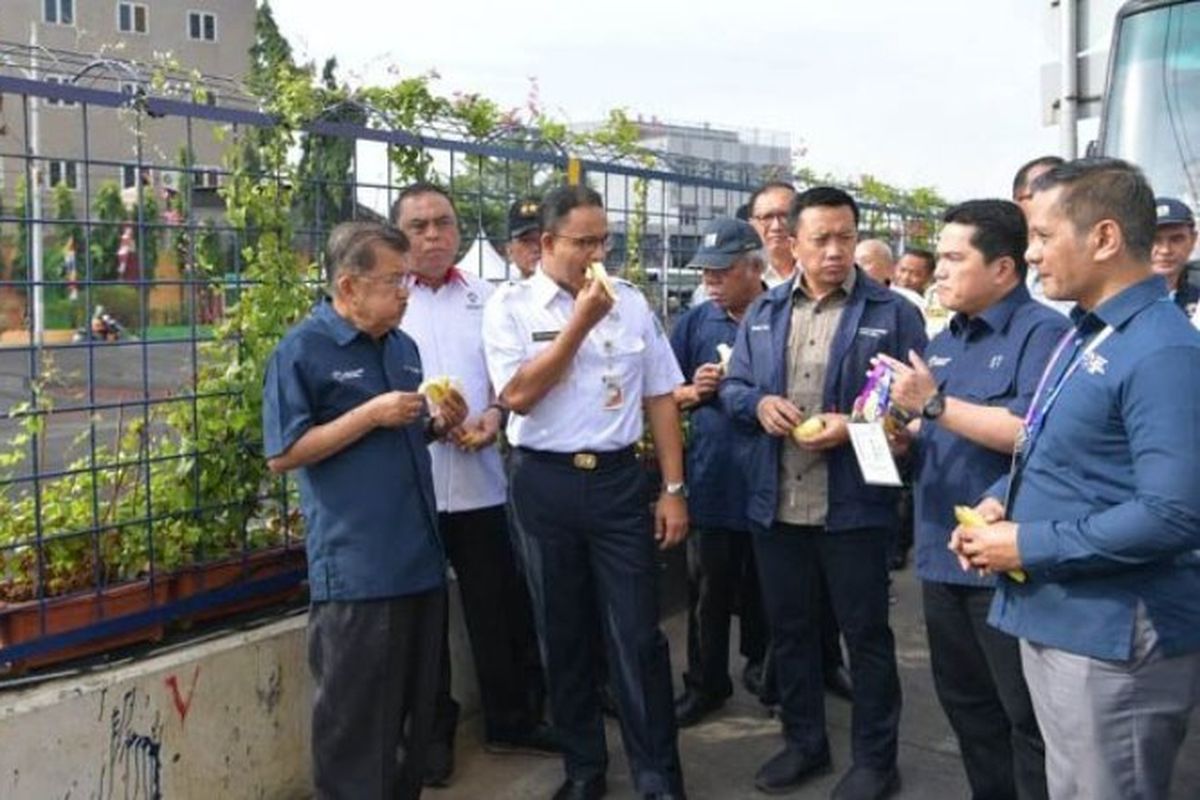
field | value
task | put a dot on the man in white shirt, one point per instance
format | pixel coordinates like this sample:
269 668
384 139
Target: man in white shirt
581 362
445 317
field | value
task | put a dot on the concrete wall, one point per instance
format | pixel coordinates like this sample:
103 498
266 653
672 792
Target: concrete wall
224 718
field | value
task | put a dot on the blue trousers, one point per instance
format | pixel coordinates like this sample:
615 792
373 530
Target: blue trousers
590 561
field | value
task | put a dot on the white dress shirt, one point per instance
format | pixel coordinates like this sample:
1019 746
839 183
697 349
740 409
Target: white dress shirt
447 325
597 405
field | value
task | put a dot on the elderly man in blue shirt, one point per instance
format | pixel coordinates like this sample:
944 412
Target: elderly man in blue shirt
971 390
1104 499
341 408
721 572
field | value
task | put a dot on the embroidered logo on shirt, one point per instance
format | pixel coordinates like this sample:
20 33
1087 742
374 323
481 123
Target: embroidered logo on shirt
1094 364
938 361
874 333
995 362
341 376
759 328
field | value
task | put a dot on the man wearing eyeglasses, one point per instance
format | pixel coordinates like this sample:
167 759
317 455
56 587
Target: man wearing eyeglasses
341 409
769 207
445 317
579 371
524 237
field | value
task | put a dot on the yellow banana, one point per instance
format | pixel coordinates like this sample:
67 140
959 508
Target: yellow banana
808 429
598 273
724 352
436 390
970 518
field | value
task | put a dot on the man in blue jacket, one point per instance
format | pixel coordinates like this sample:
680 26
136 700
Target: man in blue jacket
1104 502
804 350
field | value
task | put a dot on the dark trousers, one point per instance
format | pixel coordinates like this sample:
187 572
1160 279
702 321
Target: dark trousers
722 580
499 623
591 565
791 562
981 686
375 666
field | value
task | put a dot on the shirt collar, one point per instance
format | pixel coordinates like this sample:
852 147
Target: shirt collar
799 284
1122 307
996 316
452 276
544 287
343 332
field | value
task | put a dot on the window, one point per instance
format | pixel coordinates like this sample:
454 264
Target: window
64 172
202 26
131 18
687 215
128 176
59 12
206 178
54 101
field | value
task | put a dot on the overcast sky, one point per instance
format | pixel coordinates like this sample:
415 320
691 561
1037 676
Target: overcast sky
930 92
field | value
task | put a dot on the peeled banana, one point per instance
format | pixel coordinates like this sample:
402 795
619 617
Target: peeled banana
724 352
808 429
437 390
970 518
599 274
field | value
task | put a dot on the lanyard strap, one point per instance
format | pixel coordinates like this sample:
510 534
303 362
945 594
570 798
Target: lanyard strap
1036 416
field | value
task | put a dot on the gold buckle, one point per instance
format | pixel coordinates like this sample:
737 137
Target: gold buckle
584 460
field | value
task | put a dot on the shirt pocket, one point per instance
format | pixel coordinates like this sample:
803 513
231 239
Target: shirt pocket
990 387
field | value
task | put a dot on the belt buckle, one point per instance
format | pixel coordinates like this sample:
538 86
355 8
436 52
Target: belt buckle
584 461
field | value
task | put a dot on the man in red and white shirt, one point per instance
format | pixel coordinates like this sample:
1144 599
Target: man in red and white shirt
445 317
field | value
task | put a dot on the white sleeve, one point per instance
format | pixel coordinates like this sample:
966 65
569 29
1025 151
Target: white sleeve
661 373
502 344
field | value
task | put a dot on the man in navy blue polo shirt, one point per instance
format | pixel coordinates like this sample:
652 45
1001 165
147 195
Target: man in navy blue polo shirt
972 388
721 572
803 350
1104 503
341 408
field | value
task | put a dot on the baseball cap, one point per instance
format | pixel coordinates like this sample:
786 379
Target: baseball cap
523 216
725 239
1170 211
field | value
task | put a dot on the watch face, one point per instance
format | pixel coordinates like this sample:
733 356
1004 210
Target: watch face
935 406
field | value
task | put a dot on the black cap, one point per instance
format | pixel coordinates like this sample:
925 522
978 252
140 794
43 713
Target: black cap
1170 211
524 216
725 240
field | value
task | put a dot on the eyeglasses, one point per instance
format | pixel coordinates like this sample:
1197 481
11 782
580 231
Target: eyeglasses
418 227
766 219
589 242
395 280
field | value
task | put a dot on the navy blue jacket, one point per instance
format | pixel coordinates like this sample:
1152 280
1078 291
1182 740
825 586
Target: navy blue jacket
875 320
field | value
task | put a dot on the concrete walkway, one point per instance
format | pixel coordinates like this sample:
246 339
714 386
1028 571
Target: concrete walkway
721 756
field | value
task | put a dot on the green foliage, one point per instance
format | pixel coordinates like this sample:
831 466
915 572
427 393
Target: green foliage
326 195
108 215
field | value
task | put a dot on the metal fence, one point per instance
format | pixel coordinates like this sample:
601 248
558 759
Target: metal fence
111 196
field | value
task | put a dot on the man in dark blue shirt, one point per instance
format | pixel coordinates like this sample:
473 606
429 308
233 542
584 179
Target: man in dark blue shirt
341 407
971 390
1104 503
721 570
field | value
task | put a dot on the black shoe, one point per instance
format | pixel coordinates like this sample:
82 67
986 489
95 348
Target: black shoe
788 769
540 740
590 789
694 706
838 682
864 783
439 764
752 677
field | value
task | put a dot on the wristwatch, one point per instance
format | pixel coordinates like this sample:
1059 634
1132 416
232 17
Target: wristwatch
675 489
934 406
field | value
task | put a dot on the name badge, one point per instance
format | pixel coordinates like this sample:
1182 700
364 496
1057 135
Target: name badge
873 454
545 336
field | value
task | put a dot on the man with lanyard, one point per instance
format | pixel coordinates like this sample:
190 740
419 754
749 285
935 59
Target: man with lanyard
580 361
524 237
445 318
970 390
1173 244
721 571
804 350
341 409
1103 502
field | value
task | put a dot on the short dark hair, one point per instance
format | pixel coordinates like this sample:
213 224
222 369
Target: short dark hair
1000 229
1022 177
925 255
416 189
350 247
562 200
823 196
769 186
1096 189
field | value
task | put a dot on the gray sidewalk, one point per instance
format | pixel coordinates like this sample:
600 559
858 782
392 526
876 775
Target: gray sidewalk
721 756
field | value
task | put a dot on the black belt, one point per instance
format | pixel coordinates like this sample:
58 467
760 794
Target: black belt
587 461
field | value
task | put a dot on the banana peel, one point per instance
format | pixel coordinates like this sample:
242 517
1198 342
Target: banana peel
599 274
724 353
970 518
